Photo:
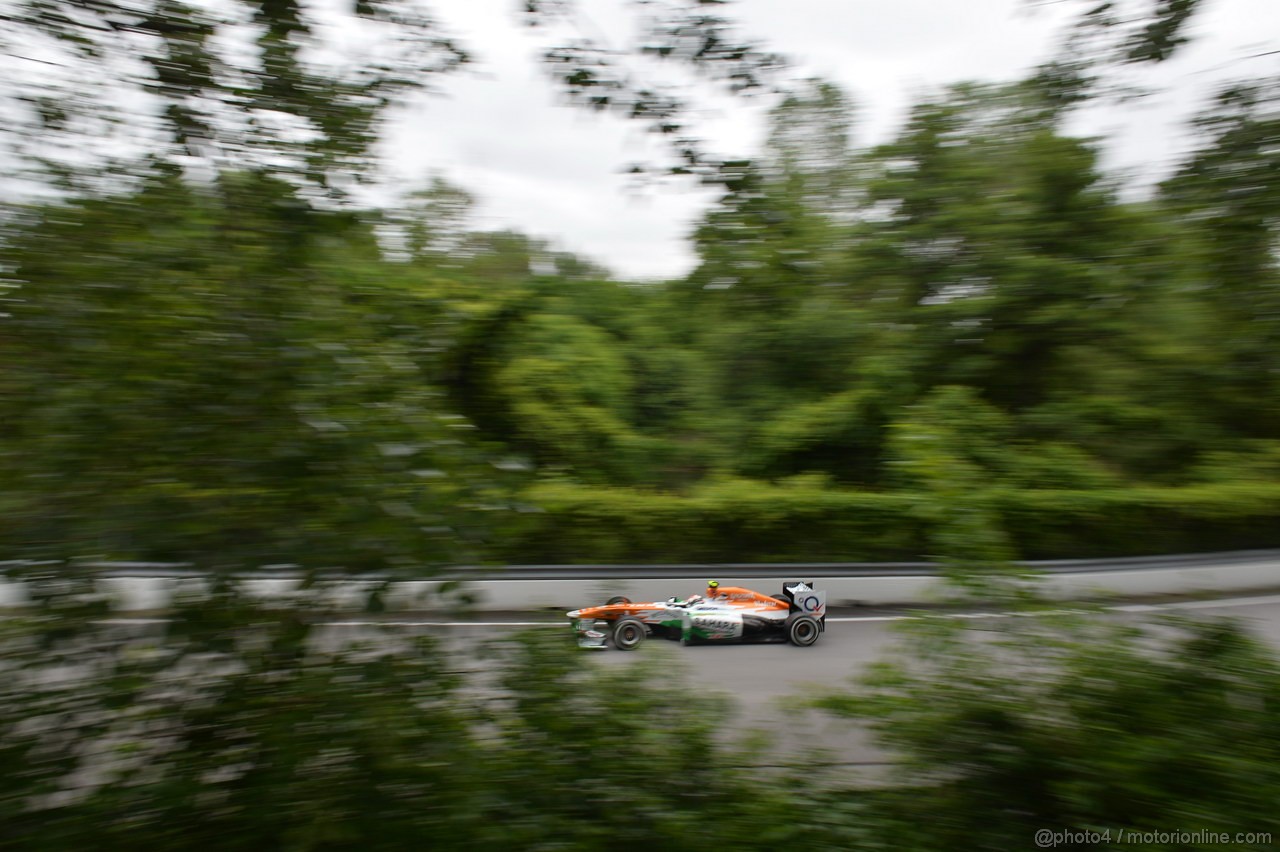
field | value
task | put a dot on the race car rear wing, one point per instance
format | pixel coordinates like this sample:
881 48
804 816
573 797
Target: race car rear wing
804 598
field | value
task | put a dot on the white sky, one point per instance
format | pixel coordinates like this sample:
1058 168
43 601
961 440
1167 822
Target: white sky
555 172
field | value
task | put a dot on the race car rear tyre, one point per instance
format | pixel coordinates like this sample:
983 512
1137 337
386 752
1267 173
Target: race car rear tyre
628 633
803 630
617 599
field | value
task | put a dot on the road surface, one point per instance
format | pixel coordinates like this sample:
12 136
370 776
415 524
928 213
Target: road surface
766 681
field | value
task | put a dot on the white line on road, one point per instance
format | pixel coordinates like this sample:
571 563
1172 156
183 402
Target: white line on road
1264 600
1219 603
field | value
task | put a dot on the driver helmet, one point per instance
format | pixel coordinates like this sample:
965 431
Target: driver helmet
713 588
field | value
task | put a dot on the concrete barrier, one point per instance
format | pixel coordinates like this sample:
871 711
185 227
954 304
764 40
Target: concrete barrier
144 588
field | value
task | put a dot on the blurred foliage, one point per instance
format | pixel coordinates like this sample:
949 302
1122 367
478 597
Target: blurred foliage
1131 31
591 757
226 727
246 84
1073 724
213 355
723 520
939 448
1227 194
633 81
803 519
242 725
216 376
304 88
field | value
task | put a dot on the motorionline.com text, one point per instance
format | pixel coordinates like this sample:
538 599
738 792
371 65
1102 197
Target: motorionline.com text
1049 838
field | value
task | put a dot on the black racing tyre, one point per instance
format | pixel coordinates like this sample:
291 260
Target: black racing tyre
786 600
617 599
628 633
803 630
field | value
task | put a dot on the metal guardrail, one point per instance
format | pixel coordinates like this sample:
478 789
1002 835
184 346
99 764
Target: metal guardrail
678 571
138 586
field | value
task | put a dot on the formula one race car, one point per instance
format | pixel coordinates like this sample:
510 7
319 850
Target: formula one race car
724 614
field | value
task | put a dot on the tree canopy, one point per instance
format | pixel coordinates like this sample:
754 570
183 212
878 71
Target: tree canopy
219 355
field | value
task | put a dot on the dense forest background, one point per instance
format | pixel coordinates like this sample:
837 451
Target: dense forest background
214 353
227 372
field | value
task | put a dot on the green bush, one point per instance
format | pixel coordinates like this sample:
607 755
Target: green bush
733 521
742 521
1005 730
1142 521
1248 460
237 726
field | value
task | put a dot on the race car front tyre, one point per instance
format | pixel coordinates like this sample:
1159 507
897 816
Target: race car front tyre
803 630
617 599
628 633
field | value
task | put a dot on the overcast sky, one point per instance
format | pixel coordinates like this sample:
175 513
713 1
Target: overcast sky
555 172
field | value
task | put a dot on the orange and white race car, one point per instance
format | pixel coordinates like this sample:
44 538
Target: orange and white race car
723 614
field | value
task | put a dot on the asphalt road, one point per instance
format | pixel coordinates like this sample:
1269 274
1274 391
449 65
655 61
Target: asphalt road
764 681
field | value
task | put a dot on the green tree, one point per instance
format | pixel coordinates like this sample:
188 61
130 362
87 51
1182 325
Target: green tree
304 89
999 242
1226 198
1075 725
239 725
775 235
590 756
569 388
247 84
199 381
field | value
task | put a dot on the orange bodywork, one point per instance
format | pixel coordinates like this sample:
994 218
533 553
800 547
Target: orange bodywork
745 598
734 596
